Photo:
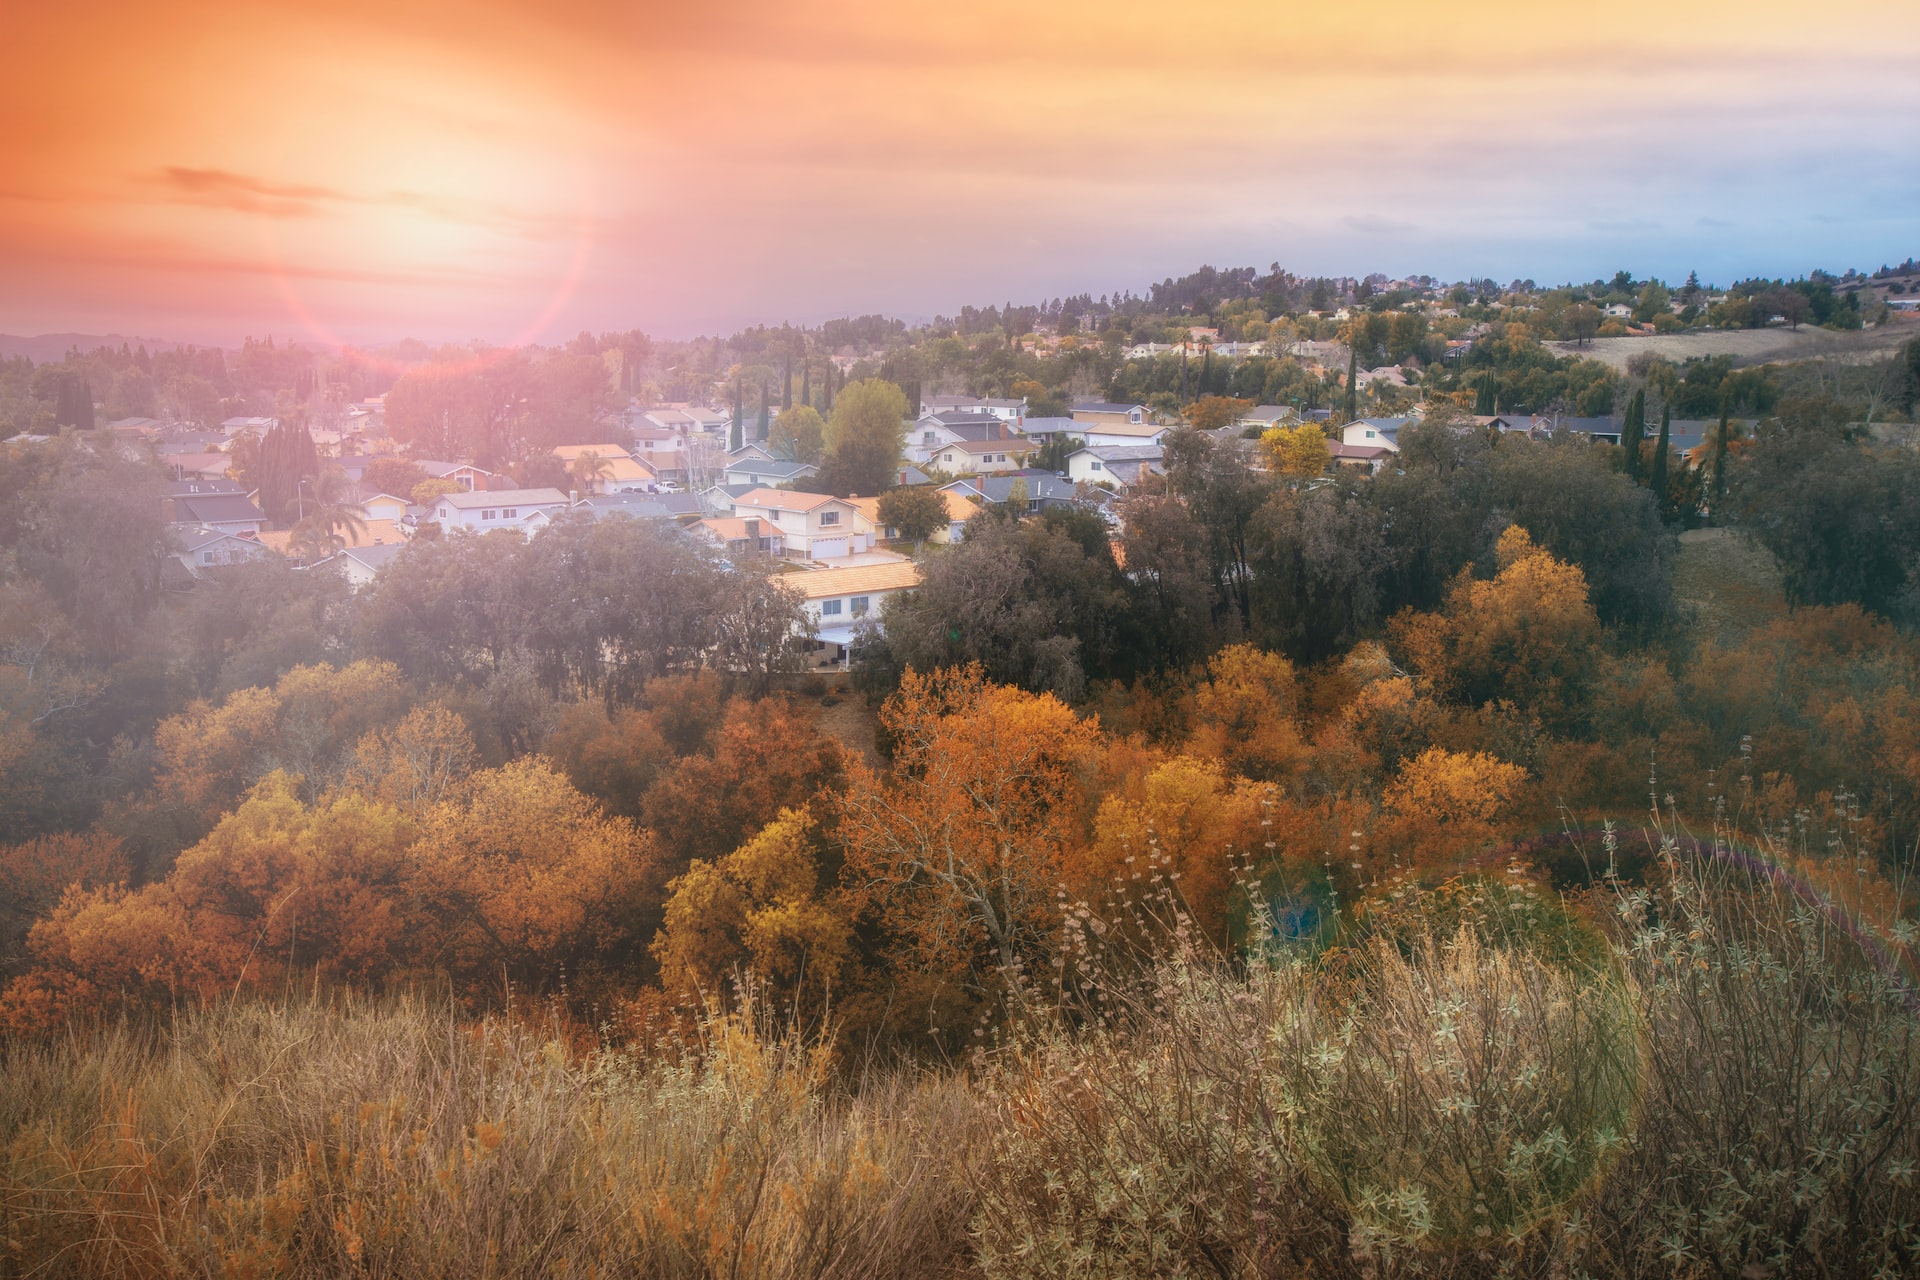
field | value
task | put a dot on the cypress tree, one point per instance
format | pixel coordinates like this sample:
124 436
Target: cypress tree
786 382
1659 479
1353 376
1206 372
766 416
1719 483
1634 430
806 383
85 407
738 432
1184 394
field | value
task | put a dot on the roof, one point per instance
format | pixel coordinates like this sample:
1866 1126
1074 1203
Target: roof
990 403
734 528
216 508
440 469
191 537
371 557
1010 444
1363 452
777 467
377 533
503 498
1051 426
1269 413
1101 406
1042 487
1122 452
571 451
1123 429
820 584
784 500
190 486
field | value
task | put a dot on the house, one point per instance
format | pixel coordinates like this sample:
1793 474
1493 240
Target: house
752 451
1122 466
1124 433
385 506
1262 417
1009 411
360 565
1361 457
1390 375
742 535
1042 430
935 431
229 512
618 472
681 508
960 509
837 599
374 533
199 549
983 457
664 452
188 485
464 474
525 510
233 427
769 474
1095 411
1373 432
813 526
1044 489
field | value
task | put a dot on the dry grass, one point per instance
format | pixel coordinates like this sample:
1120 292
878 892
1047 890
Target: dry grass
1717 1074
1729 580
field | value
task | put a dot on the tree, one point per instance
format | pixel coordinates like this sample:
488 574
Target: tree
1527 636
1244 715
799 434
1297 453
959 848
394 476
1717 488
588 470
1657 480
864 438
1581 321
1211 412
287 461
1445 805
761 909
1634 430
1172 613
914 512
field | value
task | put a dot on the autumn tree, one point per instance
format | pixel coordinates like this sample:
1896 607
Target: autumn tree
1444 805
959 848
1245 715
1210 413
1296 453
763 910
1527 636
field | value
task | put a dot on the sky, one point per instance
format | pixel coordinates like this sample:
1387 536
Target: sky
364 170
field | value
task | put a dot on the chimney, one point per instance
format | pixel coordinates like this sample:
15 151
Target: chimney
573 497
753 529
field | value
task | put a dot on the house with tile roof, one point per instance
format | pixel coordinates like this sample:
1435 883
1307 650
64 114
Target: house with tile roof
522 510
619 472
838 599
813 526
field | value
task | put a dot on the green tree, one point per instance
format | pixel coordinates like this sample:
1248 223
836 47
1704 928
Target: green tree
1662 447
1634 431
864 438
916 511
800 434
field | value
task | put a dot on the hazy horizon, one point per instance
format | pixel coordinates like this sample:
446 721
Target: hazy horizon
198 170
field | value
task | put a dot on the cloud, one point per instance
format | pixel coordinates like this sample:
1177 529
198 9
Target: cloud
1374 224
249 194
1624 226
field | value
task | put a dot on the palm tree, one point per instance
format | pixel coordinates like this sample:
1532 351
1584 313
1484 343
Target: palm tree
589 469
334 508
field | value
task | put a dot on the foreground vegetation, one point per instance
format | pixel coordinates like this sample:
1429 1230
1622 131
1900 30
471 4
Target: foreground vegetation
1714 1073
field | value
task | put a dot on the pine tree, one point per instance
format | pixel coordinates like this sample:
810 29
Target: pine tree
84 409
1634 431
1659 480
1483 402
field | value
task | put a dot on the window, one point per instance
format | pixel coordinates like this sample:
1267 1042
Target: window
926 437
206 557
1095 464
829 517
859 605
829 608
488 513
1369 435
511 513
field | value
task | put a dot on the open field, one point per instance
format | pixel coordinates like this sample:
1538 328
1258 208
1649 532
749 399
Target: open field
1751 346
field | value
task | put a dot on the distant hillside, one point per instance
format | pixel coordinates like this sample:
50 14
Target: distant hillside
54 346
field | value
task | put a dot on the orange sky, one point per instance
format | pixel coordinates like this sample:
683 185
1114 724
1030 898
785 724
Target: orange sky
483 168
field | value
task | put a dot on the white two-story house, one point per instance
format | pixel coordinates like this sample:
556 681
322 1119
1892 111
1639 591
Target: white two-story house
525 510
812 526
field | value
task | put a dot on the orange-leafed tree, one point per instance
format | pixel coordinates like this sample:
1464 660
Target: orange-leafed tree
1446 805
765 757
960 848
1244 715
1528 635
277 889
1188 821
763 911
524 881
419 762
34 874
1210 413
